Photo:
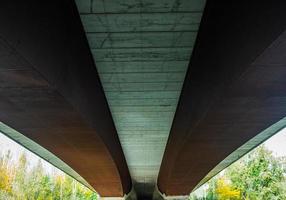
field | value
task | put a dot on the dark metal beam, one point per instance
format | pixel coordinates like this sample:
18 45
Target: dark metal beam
50 91
234 89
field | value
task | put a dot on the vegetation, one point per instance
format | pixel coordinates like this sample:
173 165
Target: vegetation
19 181
257 176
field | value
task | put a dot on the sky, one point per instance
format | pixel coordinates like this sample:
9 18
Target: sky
277 144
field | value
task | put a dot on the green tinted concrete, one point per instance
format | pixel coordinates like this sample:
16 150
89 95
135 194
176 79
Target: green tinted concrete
142 51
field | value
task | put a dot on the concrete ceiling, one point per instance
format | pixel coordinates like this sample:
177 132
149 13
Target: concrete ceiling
142 49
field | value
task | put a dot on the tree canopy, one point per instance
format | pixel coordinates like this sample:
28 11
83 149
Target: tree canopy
19 182
259 175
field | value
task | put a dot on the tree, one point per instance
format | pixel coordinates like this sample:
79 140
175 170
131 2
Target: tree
5 176
21 181
258 175
226 191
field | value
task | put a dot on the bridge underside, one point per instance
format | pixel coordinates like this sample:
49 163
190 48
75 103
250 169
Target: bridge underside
234 89
142 50
51 92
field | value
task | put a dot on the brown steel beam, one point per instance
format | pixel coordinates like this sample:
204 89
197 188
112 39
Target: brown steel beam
50 91
234 89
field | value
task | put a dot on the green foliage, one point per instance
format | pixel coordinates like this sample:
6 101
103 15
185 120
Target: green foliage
259 175
19 182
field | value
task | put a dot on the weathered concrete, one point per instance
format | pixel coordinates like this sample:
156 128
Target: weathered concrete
142 50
